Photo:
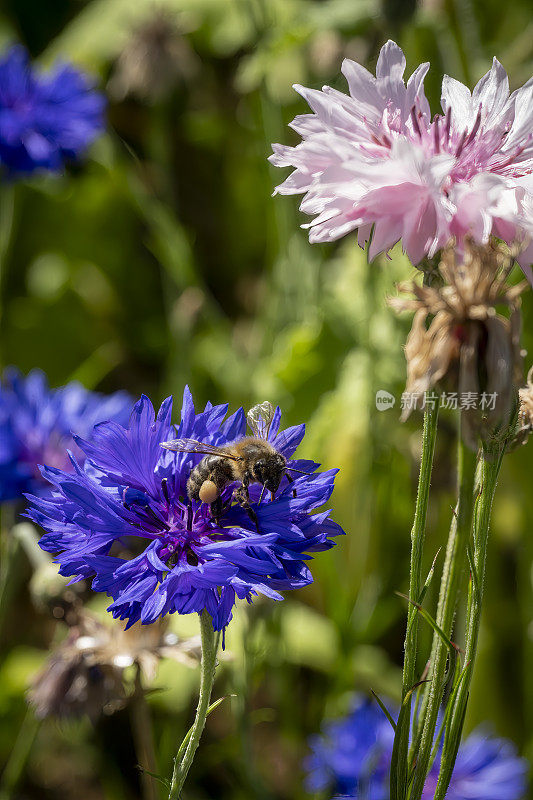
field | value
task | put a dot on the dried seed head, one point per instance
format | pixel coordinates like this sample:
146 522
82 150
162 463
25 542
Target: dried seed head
73 684
524 423
459 342
85 673
156 59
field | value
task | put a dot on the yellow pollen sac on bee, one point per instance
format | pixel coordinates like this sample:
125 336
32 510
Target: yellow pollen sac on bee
208 492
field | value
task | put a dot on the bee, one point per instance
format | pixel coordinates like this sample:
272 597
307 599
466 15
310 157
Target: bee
252 459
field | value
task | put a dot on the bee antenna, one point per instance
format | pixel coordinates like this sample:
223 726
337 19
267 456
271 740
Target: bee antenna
300 471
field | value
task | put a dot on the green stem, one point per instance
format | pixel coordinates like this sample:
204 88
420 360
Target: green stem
417 543
399 776
18 758
9 546
7 207
209 654
244 682
490 469
144 739
452 574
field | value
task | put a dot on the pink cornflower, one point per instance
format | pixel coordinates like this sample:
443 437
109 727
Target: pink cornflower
375 160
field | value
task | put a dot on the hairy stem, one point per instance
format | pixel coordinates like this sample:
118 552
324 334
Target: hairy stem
452 574
490 469
400 778
182 763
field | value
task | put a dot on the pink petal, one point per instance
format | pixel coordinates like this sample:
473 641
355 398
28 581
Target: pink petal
362 86
386 234
415 91
456 95
391 62
492 91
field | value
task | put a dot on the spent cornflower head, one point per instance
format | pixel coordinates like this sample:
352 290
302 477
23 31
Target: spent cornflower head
351 758
125 518
36 425
155 60
460 342
524 424
86 673
45 119
376 161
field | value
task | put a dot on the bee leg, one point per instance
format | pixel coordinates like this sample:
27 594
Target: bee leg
253 516
242 497
216 510
219 508
291 480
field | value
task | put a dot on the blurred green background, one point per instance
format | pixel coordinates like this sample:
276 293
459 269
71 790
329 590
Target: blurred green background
164 260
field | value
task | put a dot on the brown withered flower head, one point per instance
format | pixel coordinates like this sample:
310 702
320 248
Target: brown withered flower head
460 343
156 59
524 425
85 674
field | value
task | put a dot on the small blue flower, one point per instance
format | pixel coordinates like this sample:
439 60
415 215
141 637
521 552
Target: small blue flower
487 768
352 755
36 424
45 120
351 758
125 519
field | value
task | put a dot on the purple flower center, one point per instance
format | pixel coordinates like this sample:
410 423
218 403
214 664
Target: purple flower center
476 149
182 528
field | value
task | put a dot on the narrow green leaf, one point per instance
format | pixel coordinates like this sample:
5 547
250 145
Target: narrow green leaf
187 736
425 586
472 567
445 726
220 700
398 789
164 781
384 709
452 647
449 753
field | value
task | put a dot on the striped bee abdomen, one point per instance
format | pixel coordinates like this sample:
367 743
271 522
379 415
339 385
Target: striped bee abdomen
215 469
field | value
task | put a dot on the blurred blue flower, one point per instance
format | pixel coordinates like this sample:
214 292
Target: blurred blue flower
351 758
487 768
45 120
36 424
126 520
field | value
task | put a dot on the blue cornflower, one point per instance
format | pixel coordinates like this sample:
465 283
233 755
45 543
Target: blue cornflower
125 519
36 424
351 758
487 768
352 755
45 120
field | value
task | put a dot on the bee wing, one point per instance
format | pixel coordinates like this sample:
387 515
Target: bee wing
193 446
260 419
